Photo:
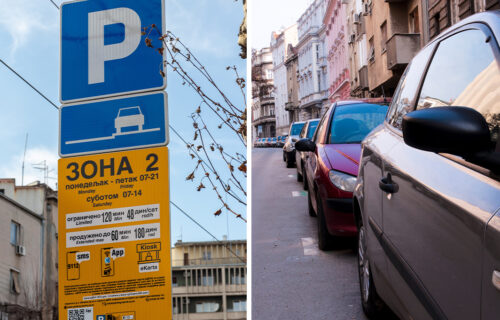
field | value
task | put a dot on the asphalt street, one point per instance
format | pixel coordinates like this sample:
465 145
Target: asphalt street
291 278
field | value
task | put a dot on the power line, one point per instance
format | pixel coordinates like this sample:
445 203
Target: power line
28 83
204 229
54 4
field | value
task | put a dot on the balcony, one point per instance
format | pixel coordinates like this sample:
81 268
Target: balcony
264 119
290 106
363 77
210 262
401 48
231 315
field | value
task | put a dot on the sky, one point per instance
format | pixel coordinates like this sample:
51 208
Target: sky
268 16
29 43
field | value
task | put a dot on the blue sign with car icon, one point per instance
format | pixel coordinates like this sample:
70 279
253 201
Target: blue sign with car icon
114 124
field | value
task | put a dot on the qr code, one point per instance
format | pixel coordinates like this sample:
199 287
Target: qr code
81 314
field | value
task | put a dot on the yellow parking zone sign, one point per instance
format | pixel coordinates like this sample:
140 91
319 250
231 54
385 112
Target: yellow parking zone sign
114 236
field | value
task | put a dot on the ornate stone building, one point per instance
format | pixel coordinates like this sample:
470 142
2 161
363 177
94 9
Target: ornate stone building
312 64
279 47
263 119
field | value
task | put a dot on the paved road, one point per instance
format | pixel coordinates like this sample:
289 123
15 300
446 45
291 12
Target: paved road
291 278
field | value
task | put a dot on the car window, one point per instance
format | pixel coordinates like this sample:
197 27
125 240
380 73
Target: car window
129 111
407 89
464 72
311 128
296 128
303 131
321 126
351 123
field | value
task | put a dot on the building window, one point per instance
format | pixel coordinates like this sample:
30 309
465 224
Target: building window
15 232
371 53
437 27
383 36
414 26
207 255
317 52
186 259
174 281
207 307
239 306
14 282
2 191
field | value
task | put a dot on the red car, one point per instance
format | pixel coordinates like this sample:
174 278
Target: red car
332 165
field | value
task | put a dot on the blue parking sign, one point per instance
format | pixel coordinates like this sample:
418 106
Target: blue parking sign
103 52
113 124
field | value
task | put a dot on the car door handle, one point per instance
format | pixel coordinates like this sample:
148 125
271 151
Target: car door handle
387 185
496 279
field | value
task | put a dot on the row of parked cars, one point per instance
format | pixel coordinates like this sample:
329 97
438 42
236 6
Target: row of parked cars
418 182
273 142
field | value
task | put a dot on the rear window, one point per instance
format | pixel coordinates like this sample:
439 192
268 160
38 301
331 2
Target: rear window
129 112
312 128
296 128
352 123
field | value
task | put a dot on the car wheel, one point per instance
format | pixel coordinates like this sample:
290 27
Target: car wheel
299 176
304 179
289 161
373 306
325 240
310 208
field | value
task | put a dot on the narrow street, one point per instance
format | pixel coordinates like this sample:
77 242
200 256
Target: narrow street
292 279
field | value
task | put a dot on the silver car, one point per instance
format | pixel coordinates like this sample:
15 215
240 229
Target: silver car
289 147
427 198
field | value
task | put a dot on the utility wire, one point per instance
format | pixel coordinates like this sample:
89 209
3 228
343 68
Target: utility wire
204 229
28 83
54 4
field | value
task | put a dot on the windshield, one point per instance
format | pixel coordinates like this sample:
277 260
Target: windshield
311 129
129 111
296 128
352 123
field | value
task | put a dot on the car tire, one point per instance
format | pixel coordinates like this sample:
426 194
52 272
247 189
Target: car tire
325 240
373 306
304 179
300 177
289 162
310 208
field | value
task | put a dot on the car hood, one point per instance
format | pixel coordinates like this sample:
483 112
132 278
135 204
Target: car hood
344 157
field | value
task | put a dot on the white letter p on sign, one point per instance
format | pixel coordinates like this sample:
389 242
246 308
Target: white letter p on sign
98 51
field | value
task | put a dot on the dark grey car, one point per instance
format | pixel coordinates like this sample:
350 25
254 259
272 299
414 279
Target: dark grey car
308 131
427 197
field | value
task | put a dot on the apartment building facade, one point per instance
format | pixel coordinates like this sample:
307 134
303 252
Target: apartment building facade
209 280
335 22
312 64
263 118
444 13
292 105
39 263
357 48
395 32
279 48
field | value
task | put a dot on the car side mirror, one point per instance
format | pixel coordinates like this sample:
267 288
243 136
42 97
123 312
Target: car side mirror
305 145
460 131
